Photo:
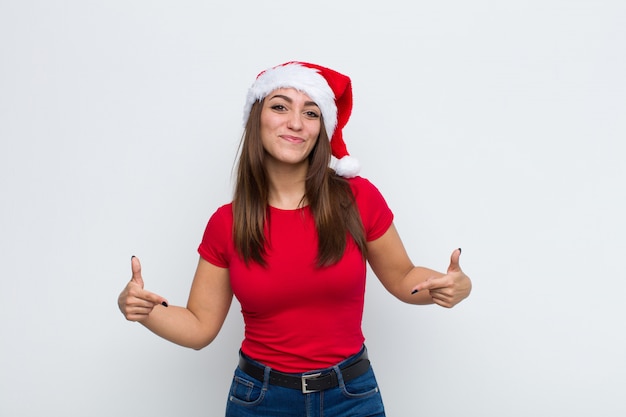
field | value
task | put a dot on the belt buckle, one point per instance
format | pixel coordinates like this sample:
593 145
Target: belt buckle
304 379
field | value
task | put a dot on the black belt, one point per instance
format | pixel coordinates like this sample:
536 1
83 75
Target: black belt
308 382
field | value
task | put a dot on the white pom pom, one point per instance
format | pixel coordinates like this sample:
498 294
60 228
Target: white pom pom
347 167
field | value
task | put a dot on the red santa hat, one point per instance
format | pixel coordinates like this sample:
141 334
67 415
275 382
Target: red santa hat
330 90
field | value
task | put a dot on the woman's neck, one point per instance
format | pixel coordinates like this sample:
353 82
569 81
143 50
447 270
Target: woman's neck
287 186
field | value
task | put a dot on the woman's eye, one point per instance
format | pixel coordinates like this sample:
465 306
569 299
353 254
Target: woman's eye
312 114
278 107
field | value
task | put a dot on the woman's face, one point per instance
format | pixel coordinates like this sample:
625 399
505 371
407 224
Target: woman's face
290 126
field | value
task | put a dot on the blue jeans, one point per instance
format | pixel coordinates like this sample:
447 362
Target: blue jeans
359 397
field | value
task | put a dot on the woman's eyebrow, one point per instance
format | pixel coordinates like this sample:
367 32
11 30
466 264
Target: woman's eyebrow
289 100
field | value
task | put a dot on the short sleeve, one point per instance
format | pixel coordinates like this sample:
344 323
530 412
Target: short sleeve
376 215
216 246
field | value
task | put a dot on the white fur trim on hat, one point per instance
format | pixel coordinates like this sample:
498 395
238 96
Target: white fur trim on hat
302 78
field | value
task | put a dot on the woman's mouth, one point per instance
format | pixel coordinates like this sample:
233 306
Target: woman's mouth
292 139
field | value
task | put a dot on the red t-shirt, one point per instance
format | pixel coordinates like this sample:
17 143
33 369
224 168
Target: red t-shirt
298 317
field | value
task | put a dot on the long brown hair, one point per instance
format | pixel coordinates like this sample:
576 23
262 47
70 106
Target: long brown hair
329 196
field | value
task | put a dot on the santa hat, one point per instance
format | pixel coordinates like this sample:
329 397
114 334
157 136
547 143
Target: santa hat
330 90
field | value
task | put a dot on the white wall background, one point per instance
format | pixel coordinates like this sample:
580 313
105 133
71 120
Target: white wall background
494 126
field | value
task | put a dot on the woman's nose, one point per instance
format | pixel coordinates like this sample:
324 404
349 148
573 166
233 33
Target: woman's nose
295 121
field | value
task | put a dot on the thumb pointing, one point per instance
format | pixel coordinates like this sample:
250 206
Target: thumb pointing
135 267
454 261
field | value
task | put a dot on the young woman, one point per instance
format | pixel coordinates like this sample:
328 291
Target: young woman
292 247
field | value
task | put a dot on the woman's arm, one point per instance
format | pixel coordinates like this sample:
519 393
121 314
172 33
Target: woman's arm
394 269
195 326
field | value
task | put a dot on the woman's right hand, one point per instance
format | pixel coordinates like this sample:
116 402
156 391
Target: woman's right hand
134 302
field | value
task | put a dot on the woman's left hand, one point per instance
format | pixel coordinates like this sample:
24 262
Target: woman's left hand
450 289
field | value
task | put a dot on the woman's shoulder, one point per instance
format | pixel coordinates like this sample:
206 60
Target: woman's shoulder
359 181
226 208
223 213
375 213
361 185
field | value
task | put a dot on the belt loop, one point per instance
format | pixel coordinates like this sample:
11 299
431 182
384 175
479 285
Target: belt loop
339 376
266 378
